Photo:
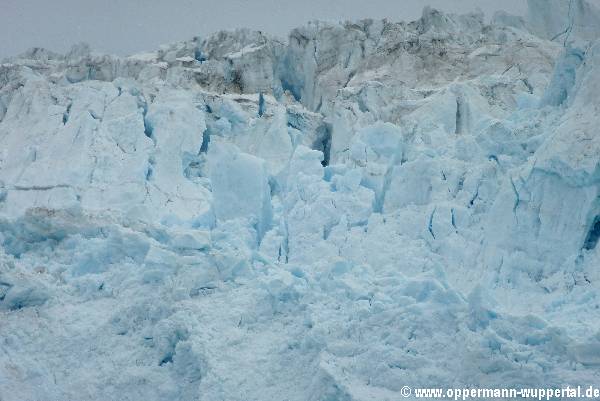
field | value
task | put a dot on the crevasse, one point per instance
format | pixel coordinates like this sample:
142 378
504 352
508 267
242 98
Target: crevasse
364 206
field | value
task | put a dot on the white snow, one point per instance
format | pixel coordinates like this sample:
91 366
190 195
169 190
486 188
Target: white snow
366 206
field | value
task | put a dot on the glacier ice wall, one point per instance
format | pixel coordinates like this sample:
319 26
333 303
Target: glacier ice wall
364 206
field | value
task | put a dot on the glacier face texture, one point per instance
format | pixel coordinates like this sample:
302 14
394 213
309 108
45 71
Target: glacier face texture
361 207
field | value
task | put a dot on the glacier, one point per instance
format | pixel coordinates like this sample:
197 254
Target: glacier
362 206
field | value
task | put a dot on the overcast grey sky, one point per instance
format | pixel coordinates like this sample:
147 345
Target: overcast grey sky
129 26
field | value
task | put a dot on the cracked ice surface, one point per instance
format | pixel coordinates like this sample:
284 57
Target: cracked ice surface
361 207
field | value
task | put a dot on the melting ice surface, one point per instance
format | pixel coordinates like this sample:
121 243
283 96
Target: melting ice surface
361 207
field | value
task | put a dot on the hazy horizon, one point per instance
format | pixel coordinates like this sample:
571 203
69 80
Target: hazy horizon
126 27
134 26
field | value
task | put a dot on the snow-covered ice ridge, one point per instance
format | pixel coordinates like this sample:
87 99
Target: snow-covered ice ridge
361 207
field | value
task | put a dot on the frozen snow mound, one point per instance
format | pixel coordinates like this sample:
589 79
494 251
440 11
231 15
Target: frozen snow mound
332 217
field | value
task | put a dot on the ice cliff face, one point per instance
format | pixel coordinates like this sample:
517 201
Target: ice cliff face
365 206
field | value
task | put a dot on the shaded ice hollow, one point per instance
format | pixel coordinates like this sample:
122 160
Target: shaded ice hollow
363 206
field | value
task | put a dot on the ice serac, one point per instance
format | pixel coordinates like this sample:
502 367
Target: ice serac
363 206
563 20
240 186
